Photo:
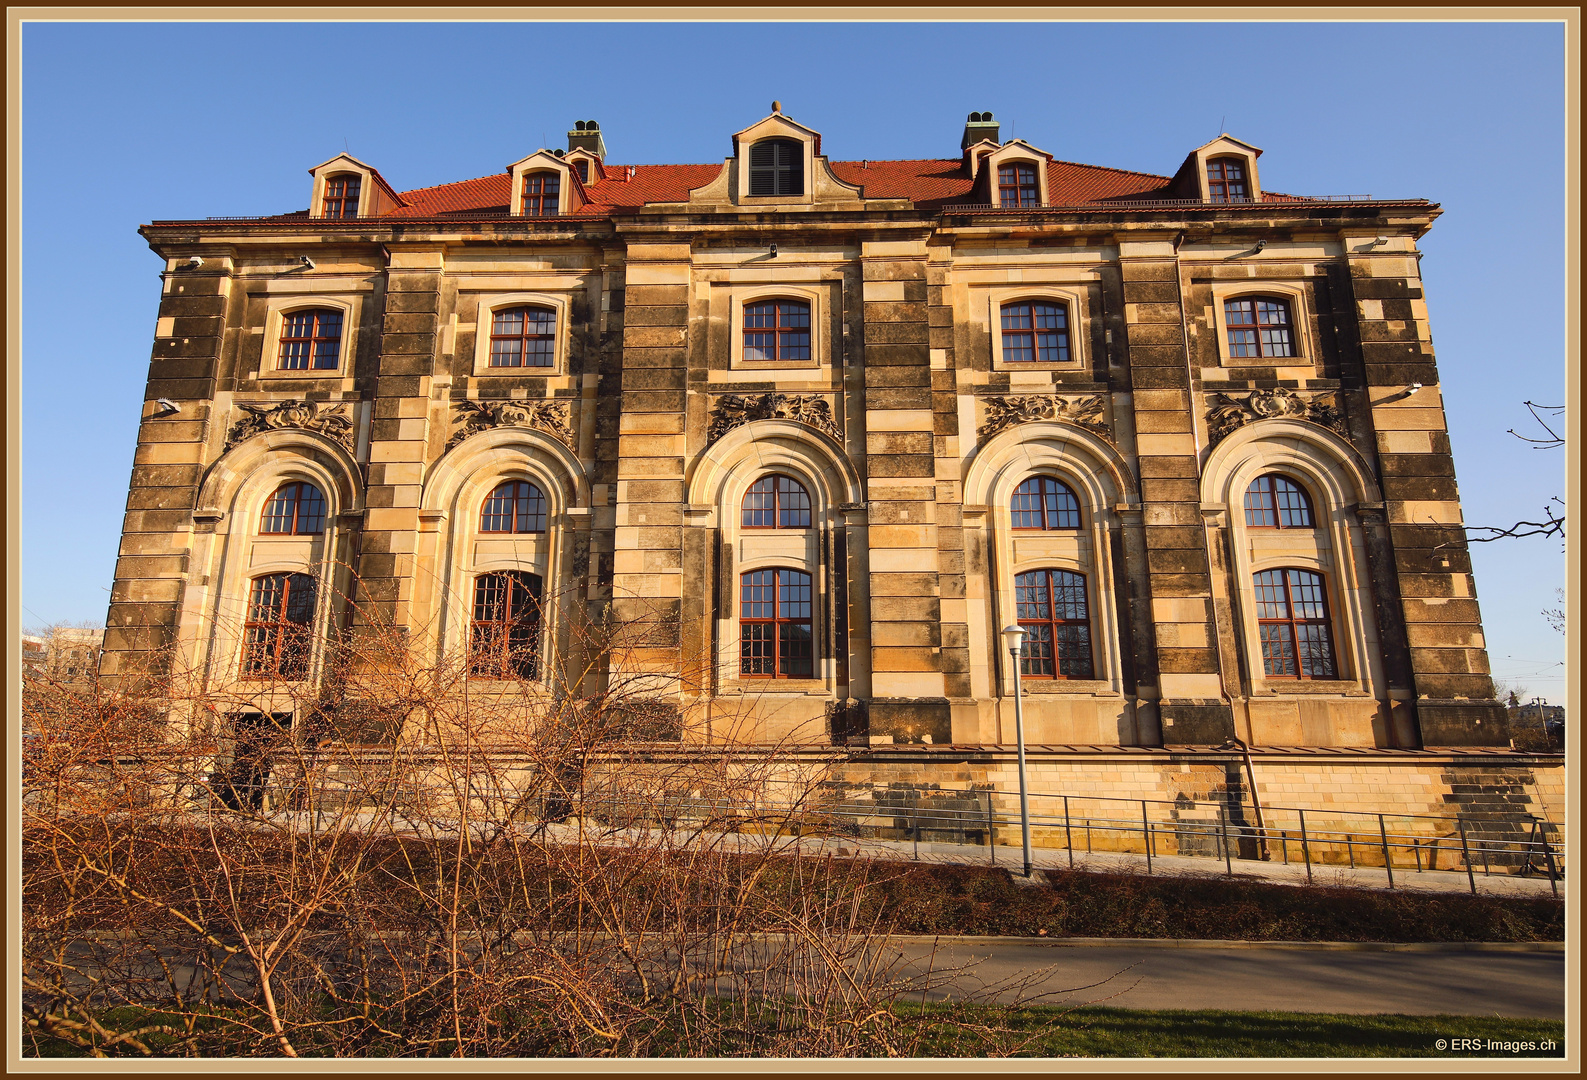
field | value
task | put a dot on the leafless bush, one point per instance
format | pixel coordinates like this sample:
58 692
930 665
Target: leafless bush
413 866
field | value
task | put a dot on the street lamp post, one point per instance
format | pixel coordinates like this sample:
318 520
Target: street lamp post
1014 638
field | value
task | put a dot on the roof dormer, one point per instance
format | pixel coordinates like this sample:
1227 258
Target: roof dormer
774 160
1222 171
543 185
345 187
1014 175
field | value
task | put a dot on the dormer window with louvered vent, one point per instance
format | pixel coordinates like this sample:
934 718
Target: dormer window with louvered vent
776 167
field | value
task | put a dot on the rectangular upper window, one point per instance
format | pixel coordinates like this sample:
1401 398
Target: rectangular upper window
311 340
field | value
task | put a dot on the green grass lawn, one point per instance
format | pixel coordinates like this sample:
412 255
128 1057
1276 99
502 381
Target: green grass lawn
1209 1033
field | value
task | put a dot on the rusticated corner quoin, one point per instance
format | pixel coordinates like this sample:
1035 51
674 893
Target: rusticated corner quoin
1229 413
1087 411
331 421
473 417
732 410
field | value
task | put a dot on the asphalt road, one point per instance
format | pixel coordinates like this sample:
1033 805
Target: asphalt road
1515 984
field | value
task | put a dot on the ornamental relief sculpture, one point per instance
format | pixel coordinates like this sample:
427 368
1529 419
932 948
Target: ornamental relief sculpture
1089 411
732 410
473 417
323 418
1227 414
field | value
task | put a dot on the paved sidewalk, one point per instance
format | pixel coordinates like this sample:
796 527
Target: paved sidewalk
1275 871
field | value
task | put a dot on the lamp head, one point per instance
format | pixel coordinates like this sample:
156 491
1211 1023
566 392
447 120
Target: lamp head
1014 638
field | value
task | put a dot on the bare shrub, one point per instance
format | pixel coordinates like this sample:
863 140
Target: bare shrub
420 864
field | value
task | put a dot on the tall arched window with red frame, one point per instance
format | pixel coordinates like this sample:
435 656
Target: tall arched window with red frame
1292 620
776 502
504 633
295 509
1053 610
776 639
279 631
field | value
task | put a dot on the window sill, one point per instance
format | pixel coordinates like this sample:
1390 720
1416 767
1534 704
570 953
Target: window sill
1308 687
1030 685
797 687
309 373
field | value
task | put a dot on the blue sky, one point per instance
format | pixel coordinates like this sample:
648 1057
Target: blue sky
127 122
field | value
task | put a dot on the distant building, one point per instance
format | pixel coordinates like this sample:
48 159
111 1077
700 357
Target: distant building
65 654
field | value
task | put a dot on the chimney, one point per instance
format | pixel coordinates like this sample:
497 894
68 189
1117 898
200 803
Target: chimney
586 135
979 126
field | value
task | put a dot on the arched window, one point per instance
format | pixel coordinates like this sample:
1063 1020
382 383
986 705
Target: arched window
523 337
1277 502
311 340
1052 610
341 196
278 633
540 194
775 637
1226 180
776 502
777 330
1292 616
1258 326
296 509
776 167
1036 330
1044 503
516 506
504 638
1016 185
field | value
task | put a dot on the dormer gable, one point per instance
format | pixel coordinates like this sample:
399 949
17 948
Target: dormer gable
586 165
774 159
1025 163
346 187
553 188
975 156
1195 179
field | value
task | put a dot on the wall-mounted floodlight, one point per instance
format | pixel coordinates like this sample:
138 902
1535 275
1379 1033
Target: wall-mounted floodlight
195 261
773 251
167 408
308 263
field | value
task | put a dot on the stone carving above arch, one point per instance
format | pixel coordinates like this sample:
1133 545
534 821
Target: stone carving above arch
330 419
1089 411
733 410
474 417
1228 413
1093 462
766 445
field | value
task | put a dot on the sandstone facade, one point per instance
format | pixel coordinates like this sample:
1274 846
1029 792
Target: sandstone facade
909 417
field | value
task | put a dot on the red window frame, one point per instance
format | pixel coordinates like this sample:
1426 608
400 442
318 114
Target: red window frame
1296 635
776 502
504 628
279 630
1054 610
311 340
1017 186
541 194
1226 180
341 195
776 625
1259 326
1277 502
1044 503
778 327
532 344
1035 332
294 509
515 506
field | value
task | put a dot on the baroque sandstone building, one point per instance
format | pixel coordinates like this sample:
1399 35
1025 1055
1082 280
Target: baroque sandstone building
818 430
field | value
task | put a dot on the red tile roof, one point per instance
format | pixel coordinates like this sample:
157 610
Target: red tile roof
929 183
